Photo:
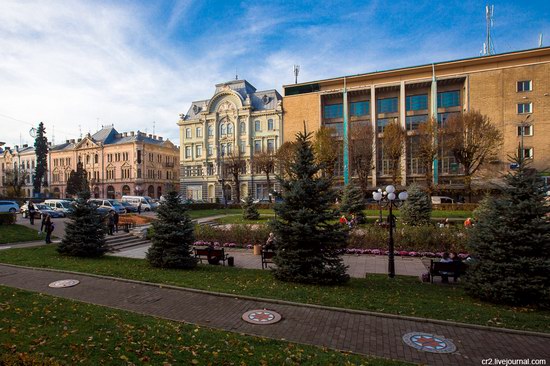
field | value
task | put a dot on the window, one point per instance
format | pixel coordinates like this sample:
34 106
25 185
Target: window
527 153
187 152
198 131
242 147
525 108
198 151
338 128
334 111
359 108
414 121
223 129
524 85
223 149
444 117
210 131
448 99
229 149
270 125
242 128
139 156
209 150
382 123
527 130
230 128
386 105
416 102
257 126
187 133
257 146
261 191
270 145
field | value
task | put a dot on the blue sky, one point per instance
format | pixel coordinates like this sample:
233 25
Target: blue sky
77 65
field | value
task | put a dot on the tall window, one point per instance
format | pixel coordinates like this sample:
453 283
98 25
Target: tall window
527 153
229 149
524 85
242 128
210 150
198 151
198 132
382 123
414 121
242 147
525 108
230 128
527 130
210 131
257 146
416 102
333 111
448 99
270 145
187 133
257 126
386 105
359 108
187 152
270 126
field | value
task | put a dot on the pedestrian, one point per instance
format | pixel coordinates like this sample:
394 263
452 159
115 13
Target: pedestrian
115 218
468 222
444 274
343 220
111 222
353 222
31 210
270 243
47 227
139 208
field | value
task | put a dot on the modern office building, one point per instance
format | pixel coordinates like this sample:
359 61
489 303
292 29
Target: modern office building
237 122
512 89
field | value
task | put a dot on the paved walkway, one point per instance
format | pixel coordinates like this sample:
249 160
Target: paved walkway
343 330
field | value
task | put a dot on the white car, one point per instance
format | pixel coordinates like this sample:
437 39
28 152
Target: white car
9 206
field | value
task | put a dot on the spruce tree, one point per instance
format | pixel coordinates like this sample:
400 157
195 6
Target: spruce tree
308 240
250 212
173 236
41 151
353 203
84 232
510 243
417 208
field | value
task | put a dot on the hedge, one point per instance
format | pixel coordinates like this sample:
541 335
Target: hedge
8 218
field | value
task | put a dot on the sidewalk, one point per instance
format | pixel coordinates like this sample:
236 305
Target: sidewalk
352 331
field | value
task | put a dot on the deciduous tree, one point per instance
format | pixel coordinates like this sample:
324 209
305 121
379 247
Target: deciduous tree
428 141
392 148
285 158
15 180
235 165
362 153
326 149
265 163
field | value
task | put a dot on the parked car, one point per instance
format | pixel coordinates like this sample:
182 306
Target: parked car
9 206
437 200
41 209
147 203
59 205
129 207
266 200
110 204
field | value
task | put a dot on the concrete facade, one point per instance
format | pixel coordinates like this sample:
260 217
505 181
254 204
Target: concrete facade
488 84
237 119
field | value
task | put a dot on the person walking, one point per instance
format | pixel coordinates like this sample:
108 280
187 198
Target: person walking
139 208
115 218
47 227
31 210
111 222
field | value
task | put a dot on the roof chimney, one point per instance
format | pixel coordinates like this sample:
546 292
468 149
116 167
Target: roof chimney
25 145
160 138
72 141
125 134
150 136
67 141
131 133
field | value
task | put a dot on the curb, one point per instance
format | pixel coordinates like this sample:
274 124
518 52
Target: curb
291 303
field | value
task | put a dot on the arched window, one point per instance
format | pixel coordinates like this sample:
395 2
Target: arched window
87 159
125 190
96 159
110 192
230 128
223 129
210 130
242 128
151 191
159 192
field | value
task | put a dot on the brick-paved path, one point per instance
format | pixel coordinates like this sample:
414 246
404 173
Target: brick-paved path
354 332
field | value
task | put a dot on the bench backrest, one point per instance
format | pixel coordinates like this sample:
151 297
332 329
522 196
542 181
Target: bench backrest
459 267
267 254
209 252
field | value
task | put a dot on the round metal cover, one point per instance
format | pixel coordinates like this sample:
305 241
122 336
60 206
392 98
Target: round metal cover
429 342
261 316
64 283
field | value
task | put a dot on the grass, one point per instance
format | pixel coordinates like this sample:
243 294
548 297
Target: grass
70 332
403 295
238 219
18 233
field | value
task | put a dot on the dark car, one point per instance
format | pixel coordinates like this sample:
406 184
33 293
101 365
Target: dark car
129 207
41 209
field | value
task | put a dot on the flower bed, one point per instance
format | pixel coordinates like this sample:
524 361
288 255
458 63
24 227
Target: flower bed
134 219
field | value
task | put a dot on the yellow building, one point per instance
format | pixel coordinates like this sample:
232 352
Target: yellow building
510 88
117 164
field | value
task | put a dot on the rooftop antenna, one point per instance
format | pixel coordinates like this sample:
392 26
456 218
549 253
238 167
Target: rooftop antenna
540 40
236 74
80 130
488 46
153 127
296 72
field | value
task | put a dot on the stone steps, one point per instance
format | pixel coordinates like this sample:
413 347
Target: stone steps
119 242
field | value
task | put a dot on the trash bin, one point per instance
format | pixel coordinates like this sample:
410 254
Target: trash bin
231 261
257 249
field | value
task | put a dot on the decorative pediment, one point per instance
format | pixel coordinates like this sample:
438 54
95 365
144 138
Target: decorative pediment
226 106
86 142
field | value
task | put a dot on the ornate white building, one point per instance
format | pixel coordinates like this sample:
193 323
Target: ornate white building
236 120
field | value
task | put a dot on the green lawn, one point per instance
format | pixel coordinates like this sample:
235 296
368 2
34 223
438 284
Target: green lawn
238 219
403 295
17 233
70 332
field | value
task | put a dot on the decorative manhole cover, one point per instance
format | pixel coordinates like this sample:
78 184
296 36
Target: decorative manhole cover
261 316
143 299
429 342
64 283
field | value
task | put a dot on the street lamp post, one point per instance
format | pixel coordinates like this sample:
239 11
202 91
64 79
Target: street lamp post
387 199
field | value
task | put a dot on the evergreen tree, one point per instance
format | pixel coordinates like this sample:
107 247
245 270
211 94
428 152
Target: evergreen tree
511 244
78 181
84 232
250 212
308 242
173 236
41 151
417 209
353 203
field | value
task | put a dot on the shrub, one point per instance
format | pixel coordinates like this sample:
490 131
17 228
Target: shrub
239 234
417 209
8 218
250 212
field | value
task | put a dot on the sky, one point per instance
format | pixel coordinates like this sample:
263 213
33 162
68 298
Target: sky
78 65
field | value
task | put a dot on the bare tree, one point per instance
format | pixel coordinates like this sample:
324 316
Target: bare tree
427 148
472 139
326 150
392 147
285 158
361 152
235 165
265 163
15 180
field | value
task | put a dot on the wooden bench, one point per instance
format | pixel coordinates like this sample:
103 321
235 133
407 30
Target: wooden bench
212 255
445 270
267 257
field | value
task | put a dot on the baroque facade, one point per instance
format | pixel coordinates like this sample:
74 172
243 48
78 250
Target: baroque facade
23 157
237 122
512 89
117 164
